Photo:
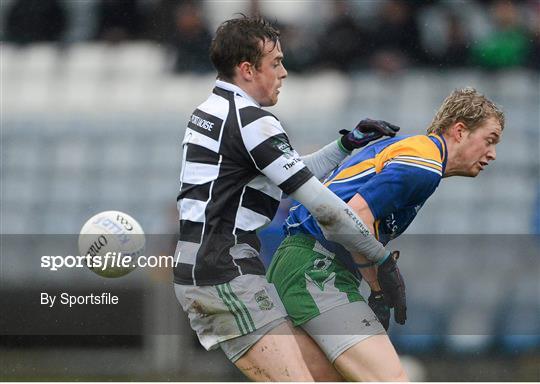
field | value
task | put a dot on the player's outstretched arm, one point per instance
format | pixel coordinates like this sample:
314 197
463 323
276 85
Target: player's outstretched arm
338 220
365 132
326 159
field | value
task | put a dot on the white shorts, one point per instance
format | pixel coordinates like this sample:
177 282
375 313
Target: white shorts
222 312
342 327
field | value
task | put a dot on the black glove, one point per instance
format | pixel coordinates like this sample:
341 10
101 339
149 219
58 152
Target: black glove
378 305
366 131
393 287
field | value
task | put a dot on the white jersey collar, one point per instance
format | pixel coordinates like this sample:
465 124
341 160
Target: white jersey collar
236 89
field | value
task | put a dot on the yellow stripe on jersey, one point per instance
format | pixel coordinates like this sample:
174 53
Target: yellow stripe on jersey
437 167
354 170
420 147
415 150
416 158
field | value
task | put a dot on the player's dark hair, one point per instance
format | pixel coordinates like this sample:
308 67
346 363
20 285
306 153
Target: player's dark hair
238 40
467 106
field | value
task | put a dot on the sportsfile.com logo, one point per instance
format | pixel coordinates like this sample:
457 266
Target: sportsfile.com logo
109 260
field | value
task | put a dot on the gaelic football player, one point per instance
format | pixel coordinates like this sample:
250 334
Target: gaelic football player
385 184
237 161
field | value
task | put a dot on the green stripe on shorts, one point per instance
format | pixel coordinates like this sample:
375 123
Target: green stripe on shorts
310 280
243 309
242 326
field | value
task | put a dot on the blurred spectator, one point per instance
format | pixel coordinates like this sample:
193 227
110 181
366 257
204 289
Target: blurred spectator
534 54
396 39
191 39
384 34
160 24
82 18
118 20
508 45
533 11
342 45
297 50
32 21
456 52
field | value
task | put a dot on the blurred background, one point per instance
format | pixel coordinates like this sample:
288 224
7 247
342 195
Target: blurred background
95 97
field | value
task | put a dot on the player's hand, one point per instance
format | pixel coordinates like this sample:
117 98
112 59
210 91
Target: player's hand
378 305
393 287
366 131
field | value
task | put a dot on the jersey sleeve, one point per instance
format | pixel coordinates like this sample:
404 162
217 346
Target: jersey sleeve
401 183
270 150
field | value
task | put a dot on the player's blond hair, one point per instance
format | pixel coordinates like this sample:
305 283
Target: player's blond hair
467 106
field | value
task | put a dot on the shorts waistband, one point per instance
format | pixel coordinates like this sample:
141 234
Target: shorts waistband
299 240
308 242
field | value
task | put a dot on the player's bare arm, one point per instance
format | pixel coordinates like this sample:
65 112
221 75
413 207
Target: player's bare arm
366 268
392 285
369 272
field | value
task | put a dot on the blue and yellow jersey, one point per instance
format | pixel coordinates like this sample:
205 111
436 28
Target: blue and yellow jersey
394 176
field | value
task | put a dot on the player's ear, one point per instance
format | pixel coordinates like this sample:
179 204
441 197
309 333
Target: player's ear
245 70
458 131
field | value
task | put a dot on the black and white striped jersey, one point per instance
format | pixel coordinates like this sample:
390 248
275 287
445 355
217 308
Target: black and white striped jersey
237 160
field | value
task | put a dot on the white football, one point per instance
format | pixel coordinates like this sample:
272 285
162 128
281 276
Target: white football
113 240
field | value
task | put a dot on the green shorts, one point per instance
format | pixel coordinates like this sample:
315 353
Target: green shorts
309 279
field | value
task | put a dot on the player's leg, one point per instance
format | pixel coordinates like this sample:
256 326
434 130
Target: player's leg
279 351
276 356
247 320
284 353
373 359
318 364
354 340
322 296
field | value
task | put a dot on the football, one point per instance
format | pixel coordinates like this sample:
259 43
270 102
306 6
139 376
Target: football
112 241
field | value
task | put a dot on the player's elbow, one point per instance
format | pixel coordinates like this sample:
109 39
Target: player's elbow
326 215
